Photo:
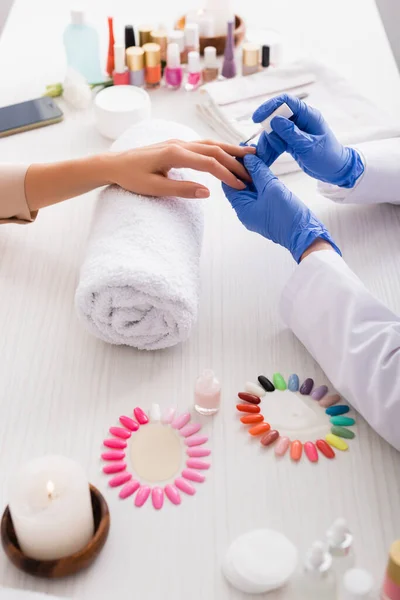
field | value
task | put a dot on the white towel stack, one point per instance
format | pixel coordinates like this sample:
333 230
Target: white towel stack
139 283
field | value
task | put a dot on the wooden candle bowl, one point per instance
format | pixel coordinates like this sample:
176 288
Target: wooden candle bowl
219 41
61 567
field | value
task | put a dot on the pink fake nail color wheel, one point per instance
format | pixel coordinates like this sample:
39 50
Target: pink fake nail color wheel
114 467
141 416
185 486
115 443
197 451
120 432
172 494
189 429
129 489
193 475
119 479
157 496
113 455
180 421
311 452
196 440
142 495
129 423
282 446
197 463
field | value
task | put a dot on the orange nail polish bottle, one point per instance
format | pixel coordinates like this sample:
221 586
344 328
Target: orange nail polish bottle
152 59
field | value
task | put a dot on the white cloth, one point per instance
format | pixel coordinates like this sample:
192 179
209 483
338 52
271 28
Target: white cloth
9 594
228 106
139 283
353 336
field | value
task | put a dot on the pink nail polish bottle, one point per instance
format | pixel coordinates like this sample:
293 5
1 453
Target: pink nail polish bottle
391 584
173 71
194 72
207 393
121 73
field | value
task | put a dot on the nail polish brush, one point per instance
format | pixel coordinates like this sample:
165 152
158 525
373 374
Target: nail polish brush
282 111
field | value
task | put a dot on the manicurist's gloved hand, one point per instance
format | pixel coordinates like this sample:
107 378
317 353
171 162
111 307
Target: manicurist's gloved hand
309 140
267 207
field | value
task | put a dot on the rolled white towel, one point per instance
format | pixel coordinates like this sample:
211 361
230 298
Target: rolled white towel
139 283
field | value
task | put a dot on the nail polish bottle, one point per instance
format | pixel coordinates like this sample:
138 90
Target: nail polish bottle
229 65
192 39
173 71
144 35
152 61
194 72
161 38
317 581
207 393
178 37
121 73
340 545
250 58
135 62
391 584
111 42
358 584
129 36
265 56
210 71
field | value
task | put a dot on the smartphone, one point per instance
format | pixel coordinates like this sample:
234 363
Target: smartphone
29 115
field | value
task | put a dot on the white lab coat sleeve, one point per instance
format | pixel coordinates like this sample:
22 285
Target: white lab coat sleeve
380 181
354 337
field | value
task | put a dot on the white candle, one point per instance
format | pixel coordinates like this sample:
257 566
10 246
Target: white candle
222 12
51 508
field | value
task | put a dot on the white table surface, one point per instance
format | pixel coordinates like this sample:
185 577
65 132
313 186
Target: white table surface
60 388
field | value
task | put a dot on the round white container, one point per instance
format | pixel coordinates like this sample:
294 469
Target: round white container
119 107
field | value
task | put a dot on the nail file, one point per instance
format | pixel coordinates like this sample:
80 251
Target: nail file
282 111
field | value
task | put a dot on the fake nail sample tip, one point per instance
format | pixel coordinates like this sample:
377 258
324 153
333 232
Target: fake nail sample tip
253 388
120 432
180 421
293 383
343 432
157 497
342 421
270 437
266 383
279 382
319 392
168 415
119 479
249 419
198 451
248 408
329 400
114 467
325 449
311 452
282 446
336 442
129 489
193 475
115 443
197 463
196 440
339 409
129 423
113 455
296 450
142 495
172 494
140 416
155 413
185 486
259 429
189 429
307 386
249 398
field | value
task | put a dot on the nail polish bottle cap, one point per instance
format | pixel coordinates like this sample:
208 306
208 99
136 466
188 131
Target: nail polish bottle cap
77 16
129 36
173 56
152 57
265 58
358 584
194 62
177 37
160 37
119 58
192 35
135 58
251 55
210 57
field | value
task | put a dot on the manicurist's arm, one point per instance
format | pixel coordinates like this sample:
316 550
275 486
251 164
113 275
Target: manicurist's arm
25 190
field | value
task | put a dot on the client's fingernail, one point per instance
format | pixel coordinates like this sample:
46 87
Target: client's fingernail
202 193
241 184
252 149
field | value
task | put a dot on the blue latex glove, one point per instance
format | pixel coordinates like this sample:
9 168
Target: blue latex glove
267 207
309 140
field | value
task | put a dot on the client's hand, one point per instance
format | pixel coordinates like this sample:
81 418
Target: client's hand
144 170
267 207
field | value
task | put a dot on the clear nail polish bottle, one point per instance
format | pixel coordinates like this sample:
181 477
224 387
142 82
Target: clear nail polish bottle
210 71
250 58
207 393
194 72
340 545
317 582
173 71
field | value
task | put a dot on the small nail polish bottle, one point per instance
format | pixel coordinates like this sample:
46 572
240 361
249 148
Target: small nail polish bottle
177 36
317 581
173 71
192 39
135 62
207 393
210 71
194 72
229 65
391 584
121 73
250 58
152 61
340 545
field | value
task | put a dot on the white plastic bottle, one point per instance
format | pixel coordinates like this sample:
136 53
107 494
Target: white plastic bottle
358 584
317 581
340 545
82 47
